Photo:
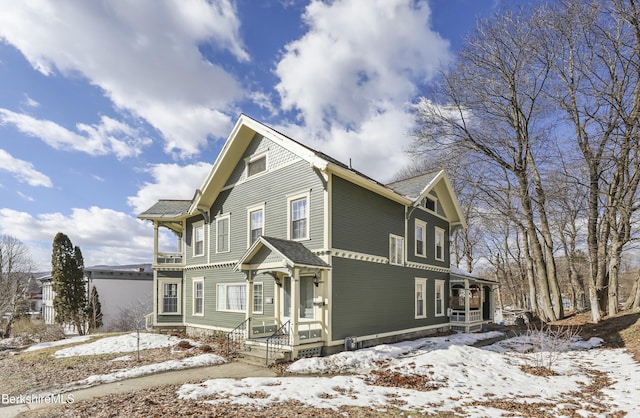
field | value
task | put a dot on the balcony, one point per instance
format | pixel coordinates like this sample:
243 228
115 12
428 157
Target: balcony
169 259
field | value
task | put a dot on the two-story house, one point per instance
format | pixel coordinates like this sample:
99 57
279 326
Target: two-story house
284 242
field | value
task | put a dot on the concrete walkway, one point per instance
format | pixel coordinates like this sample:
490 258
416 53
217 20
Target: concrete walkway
233 370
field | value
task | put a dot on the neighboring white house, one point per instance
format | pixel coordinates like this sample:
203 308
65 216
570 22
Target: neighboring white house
118 289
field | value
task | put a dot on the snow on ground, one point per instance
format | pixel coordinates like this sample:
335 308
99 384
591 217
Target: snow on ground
165 366
66 341
120 344
456 375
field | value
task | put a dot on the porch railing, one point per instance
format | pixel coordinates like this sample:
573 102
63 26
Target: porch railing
309 331
236 336
459 316
279 339
169 258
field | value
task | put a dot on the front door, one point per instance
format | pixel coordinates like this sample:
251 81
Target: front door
306 309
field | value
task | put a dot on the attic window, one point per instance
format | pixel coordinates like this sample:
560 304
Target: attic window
257 165
429 204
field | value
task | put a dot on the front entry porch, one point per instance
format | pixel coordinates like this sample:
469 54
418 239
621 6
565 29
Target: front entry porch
299 326
471 302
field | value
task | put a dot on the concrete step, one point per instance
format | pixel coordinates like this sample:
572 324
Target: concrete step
258 355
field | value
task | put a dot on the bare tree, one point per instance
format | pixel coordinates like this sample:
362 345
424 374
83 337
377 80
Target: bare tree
491 104
16 268
133 318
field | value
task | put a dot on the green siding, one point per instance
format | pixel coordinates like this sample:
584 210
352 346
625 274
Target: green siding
370 298
432 222
363 220
168 319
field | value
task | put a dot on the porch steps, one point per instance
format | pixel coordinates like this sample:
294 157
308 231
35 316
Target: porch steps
257 355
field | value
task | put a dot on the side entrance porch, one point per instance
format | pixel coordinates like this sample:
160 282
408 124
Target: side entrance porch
299 327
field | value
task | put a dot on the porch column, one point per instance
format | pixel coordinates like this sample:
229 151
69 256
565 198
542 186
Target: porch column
467 301
249 303
155 242
295 305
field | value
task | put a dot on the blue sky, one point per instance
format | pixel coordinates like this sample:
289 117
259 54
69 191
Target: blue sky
107 106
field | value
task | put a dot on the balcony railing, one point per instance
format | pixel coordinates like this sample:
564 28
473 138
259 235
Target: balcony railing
459 316
169 258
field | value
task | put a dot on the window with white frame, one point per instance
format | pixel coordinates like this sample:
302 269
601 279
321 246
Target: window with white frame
170 297
223 244
198 239
439 244
439 297
421 238
396 249
198 296
256 224
232 297
420 292
258 298
256 165
299 217
429 203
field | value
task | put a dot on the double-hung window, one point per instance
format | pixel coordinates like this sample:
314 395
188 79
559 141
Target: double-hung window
170 297
420 292
299 217
439 244
198 296
439 297
198 239
256 224
232 297
396 250
222 234
420 232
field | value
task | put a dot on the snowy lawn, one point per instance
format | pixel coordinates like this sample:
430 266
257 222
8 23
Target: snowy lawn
121 344
66 341
444 374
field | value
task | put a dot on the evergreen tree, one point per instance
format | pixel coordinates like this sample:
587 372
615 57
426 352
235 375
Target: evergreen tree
94 310
70 302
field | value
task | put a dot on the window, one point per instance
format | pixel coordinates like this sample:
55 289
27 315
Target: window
232 297
258 294
256 224
396 250
299 218
421 231
421 287
222 234
429 203
198 296
256 165
439 244
439 297
170 294
198 240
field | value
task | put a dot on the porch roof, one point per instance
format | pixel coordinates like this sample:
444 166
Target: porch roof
165 208
459 276
290 253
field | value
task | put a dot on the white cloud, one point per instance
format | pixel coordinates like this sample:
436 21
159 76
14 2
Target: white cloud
105 236
352 80
170 181
144 56
23 170
108 137
30 102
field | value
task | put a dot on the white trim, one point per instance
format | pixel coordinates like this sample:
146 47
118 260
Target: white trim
290 199
251 209
419 281
397 238
439 282
195 280
161 283
423 225
253 302
439 232
391 333
336 252
225 285
227 217
194 227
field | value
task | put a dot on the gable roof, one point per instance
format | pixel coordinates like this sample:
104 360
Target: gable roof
407 192
292 253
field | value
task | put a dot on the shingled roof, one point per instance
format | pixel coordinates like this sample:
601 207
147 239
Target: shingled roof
293 253
413 187
166 209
